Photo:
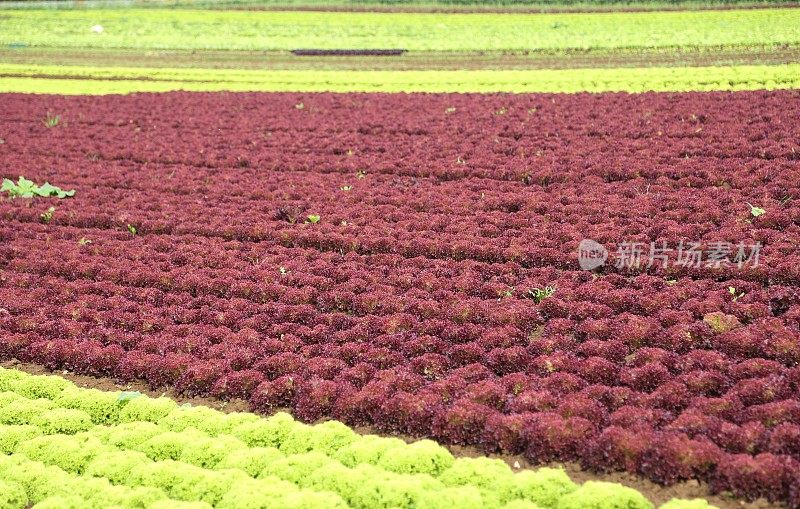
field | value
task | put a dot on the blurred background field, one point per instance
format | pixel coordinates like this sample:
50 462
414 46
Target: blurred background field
82 47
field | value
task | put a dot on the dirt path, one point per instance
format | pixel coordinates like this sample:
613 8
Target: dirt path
408 61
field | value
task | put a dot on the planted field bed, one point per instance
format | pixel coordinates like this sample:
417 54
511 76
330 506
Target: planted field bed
411 263
63 446
160 30
116 51
69 80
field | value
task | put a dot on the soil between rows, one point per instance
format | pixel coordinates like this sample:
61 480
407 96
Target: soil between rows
279 60
654 492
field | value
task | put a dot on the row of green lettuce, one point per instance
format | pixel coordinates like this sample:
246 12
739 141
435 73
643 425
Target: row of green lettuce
470 5
62 446
149 29
77 80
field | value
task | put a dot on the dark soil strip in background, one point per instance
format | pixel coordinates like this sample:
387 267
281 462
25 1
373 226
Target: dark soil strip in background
216 59
654 492
348 52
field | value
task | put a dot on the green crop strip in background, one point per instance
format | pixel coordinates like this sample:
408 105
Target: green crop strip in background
264 30
155 50
539 5
108 80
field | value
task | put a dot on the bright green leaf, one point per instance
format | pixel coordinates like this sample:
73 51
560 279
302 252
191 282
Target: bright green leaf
756 211
25 188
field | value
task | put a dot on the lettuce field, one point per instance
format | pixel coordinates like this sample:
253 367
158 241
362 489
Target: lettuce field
71 447
532 261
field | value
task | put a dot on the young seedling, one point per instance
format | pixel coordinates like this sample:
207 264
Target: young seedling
299 106
346 188
450 110
508 292
51 120
84 241
539 294
756 211
25 188
283 271
736 295
313 219
131 229
360 174
47 215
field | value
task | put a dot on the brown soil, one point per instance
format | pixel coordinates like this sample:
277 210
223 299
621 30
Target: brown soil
656 493
410 61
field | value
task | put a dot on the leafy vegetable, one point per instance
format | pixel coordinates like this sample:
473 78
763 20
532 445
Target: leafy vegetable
756 211
47 215
539 294
51 120
25 188
736 295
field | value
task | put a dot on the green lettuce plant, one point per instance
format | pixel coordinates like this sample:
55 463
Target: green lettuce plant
198 417
12 435
297 467
116 466
41 386
24 411
169 445
69 453
255 493
269 432
603 495
128 435
102 407
483 473
63 420
208 452
424 456
12 496
369 449
544 486
327 438
252 460
25 188
146 409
